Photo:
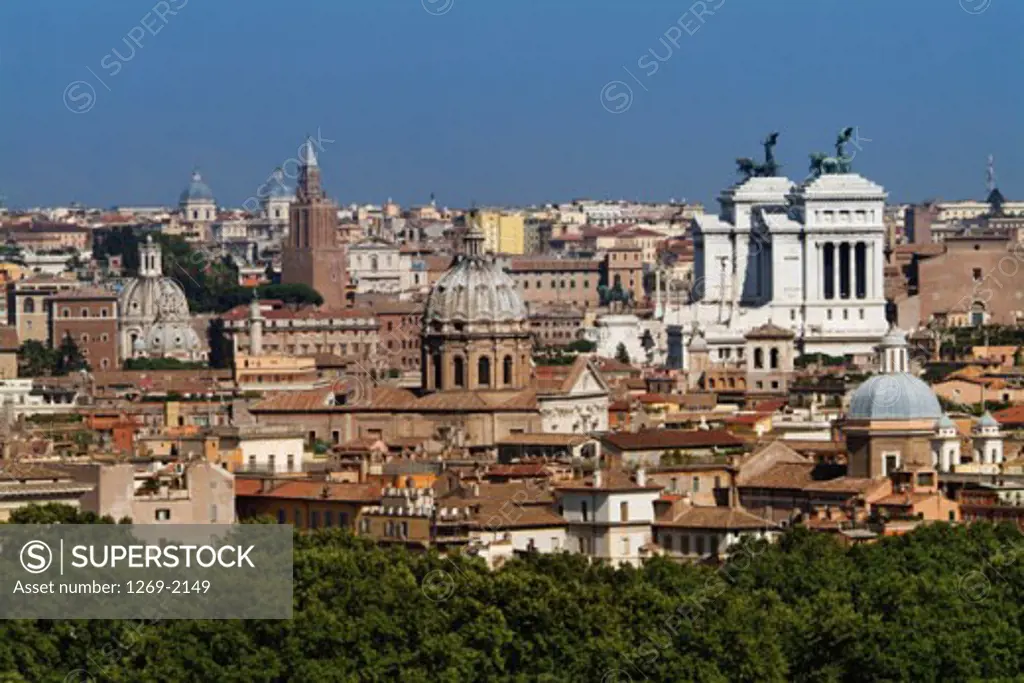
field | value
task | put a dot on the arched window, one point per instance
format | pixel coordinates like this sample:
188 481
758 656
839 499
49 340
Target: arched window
711 383
29 306
65 313
85 312
758 359
773 359
483 371
460 372
507 369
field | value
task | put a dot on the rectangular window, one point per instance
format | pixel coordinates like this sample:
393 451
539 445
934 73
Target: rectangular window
714 544
684 544
163 515
298 517
700 544
281 516
625 547
213 513
314 519
696 484
624 511
328 519
583 506
977 274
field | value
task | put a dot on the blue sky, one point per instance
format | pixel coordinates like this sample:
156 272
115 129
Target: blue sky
500 101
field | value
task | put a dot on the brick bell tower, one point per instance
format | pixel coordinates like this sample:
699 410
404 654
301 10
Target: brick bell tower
311 255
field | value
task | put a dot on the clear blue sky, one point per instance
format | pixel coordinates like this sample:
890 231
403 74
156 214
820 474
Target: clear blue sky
499 101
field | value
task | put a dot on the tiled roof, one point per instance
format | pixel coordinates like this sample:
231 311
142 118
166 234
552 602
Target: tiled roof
319 490
543 439
525 399
27 470
844 485
672 438
611 480
294 401
1012 416
712 517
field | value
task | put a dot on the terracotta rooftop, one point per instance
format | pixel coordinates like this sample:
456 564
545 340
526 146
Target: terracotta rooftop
685 516
611 480
543 439
1011 417
672 438
318 490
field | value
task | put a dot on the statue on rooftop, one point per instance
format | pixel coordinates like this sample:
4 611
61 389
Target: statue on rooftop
822 164
770 168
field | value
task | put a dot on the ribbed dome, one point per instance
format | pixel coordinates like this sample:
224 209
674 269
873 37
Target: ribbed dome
197 190
895 396
474 290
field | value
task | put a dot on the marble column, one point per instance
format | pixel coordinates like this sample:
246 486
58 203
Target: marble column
837 265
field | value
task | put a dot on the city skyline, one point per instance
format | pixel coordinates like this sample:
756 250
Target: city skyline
95 115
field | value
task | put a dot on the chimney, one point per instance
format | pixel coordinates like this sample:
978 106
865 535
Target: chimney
598 479
641 477
364 469
266 485
476 490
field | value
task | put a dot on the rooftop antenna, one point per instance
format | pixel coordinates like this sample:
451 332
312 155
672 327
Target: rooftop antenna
990 174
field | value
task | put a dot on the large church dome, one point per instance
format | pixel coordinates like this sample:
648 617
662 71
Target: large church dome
475 289
155 318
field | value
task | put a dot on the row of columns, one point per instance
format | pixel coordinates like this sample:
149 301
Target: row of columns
843 258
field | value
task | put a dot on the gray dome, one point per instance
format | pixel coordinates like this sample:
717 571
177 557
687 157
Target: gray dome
945 423
987 420
896 396
474 290
197 190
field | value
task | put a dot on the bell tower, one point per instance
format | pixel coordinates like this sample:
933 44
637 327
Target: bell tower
312 255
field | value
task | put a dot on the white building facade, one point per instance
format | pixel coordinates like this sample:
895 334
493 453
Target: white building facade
806 257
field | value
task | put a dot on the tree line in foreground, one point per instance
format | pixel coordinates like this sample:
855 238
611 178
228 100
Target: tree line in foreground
943 603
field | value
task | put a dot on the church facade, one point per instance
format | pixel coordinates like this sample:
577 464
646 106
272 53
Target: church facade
808 258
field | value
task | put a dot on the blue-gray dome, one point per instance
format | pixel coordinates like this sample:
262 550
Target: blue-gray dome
197 190
894 396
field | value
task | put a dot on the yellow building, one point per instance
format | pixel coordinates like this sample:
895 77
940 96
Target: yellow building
504 231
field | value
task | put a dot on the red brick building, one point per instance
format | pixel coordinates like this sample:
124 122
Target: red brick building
89 315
